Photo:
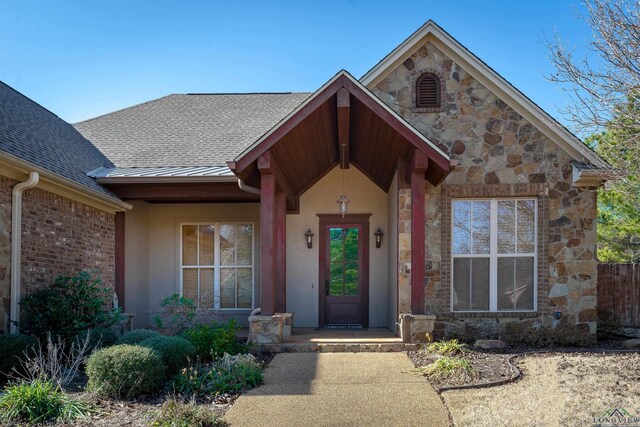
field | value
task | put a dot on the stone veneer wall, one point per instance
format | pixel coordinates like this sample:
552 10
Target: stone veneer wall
501 154
59 237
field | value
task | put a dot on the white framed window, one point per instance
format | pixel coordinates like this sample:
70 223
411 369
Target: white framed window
494 254
216 264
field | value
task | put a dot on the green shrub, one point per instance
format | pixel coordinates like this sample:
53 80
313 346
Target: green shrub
37 402
136 336
450 367
215 339
178 313
69 306
228 375
176 352
125 371
180 414
12 349
446 348
98 338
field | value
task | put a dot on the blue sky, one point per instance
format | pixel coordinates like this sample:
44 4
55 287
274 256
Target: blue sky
81 59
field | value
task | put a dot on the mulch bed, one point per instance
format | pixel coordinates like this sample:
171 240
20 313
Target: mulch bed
139 412
490 367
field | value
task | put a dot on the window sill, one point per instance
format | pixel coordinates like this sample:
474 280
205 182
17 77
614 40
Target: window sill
489 314
246 311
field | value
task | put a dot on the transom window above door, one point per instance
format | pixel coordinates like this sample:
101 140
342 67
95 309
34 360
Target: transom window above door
494 255
217 262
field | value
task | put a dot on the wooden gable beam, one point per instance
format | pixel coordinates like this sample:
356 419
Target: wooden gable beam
398 125
267 163
343 126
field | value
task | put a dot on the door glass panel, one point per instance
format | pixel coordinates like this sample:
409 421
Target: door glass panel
351 278
336 252
344 267
336 283
351 244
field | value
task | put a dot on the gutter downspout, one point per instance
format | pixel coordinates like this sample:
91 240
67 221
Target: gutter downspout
247 188
16 247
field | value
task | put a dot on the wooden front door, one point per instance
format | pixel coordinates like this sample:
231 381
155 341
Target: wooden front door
344 270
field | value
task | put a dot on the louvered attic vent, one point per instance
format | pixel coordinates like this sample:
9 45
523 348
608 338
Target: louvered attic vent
428 91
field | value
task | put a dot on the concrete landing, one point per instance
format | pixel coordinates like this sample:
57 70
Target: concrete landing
306 340
339 389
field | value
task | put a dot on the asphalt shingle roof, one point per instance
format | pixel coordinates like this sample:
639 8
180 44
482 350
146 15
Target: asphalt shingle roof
187 130
34 134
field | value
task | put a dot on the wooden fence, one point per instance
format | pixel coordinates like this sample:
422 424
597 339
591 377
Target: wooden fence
619 291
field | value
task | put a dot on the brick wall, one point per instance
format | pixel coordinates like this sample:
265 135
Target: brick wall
59 237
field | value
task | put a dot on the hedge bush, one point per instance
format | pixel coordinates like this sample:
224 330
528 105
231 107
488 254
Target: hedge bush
12 349
230 374
176 352
215 339
69 306
125 371
136 336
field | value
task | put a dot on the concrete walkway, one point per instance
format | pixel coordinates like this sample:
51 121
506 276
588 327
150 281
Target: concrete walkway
340 389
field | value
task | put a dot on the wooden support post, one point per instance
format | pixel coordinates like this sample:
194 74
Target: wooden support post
417 169
281 252
267 234
343 103
119 258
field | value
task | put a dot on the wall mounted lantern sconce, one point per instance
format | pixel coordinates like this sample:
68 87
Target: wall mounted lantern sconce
378 235
309 235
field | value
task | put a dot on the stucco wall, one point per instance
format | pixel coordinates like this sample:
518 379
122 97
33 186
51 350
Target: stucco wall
136 272
302 263
160 256
501 154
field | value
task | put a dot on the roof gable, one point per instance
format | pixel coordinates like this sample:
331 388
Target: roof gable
259 146
431 32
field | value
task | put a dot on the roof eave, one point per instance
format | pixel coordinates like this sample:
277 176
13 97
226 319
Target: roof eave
163 179
593 177
53 182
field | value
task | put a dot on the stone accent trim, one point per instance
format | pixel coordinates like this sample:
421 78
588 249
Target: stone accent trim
266 329
417 328
450 192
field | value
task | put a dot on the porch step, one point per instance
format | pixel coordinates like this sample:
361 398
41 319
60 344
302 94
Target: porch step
336 347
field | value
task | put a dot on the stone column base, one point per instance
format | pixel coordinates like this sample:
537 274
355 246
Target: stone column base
287 323
417 328
266 329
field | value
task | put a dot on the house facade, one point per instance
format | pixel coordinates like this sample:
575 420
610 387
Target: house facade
54 219
429 197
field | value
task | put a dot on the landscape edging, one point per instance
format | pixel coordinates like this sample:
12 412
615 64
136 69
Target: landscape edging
517 373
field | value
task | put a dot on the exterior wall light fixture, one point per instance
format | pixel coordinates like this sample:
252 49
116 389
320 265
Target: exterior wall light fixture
309 236
378 235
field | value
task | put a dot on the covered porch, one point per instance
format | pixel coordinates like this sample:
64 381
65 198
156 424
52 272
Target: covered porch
339 126
262 239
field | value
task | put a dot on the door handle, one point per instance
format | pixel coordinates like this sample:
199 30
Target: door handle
326 287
